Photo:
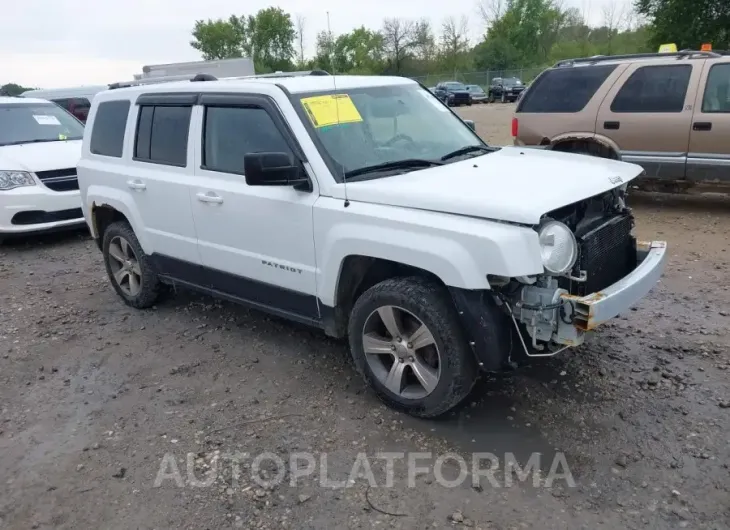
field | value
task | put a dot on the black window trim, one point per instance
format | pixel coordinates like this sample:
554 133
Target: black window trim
171 102
704 93
254 101
656 66
124 134
168 99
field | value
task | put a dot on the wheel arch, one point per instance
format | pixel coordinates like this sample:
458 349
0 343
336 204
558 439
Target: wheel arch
357 273
572 142
108 205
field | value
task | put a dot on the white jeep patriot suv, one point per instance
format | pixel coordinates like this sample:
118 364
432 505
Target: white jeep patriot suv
366 207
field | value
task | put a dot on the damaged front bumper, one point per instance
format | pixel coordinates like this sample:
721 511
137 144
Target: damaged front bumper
552 316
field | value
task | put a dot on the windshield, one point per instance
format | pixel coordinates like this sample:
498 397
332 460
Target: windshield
22 123
511 81
455 86
474 88
385 125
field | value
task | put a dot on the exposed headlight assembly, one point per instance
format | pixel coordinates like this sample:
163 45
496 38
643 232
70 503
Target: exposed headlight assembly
15 179
558 247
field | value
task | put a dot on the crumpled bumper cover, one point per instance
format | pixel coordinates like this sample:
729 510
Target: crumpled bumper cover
594 309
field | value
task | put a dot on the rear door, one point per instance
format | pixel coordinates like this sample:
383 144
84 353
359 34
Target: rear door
648 113
709 140
159 178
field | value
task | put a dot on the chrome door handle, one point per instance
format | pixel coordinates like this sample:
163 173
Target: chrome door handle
210 197
136 184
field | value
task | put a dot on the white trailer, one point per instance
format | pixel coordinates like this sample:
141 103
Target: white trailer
221 68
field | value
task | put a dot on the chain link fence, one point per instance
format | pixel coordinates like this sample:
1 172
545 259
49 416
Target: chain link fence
483 78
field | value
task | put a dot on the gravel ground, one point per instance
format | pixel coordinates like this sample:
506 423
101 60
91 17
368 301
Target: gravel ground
97 399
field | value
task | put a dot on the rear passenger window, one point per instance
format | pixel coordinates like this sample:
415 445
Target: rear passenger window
162 135
232 132
654 89
717 90
566 89
107 134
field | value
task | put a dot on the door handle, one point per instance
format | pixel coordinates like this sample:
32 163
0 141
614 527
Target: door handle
210 197
136 184
611 125
702 126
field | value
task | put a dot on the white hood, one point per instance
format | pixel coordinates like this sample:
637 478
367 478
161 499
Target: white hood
513 184
42 156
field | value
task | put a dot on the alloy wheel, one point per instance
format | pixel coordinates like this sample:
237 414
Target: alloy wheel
401 352
125 266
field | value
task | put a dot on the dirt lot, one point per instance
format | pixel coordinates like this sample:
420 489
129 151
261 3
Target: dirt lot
94 395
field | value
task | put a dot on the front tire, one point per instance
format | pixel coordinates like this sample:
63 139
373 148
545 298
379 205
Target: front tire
130 270
407 342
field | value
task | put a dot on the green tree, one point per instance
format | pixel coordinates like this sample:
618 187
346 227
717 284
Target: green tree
12 89
455 47
219 39
267 37
270 39
688 23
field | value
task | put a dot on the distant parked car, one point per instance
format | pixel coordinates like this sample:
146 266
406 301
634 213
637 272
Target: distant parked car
75 100
505 89
477 94
40 145
453 93
667 112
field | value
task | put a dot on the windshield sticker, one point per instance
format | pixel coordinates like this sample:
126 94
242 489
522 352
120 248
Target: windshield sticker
46 120
332 109
62 137
433 101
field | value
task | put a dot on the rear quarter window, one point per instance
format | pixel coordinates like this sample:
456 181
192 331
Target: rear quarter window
564 89
107 133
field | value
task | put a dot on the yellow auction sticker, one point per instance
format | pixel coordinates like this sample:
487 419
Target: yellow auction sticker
332 109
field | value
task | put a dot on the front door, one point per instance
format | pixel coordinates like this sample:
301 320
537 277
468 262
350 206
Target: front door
256 242
648 114
709 140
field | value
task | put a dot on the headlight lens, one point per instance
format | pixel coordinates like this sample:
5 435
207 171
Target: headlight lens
15 179
558 247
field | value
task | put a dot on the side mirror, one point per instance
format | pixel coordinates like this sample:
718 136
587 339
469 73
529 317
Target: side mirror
274 169
471 125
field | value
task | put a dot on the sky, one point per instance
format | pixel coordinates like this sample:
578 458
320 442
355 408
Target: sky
52 44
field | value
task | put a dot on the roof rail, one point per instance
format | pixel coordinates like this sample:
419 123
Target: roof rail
601 58
285 74
207 77
163 79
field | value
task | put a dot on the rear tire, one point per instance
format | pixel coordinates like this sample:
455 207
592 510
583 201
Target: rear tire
419 302
130 270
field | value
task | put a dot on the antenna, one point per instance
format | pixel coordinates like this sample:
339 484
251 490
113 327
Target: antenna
337 103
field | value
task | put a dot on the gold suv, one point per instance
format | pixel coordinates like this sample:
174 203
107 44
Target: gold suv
668 112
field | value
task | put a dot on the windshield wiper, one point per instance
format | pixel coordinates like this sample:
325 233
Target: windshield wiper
39 140
408 163
465 150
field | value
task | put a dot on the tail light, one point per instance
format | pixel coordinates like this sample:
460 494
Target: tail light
515 127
